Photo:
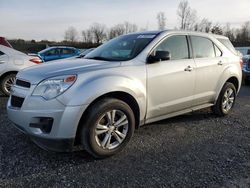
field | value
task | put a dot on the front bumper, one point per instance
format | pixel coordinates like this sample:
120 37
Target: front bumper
63 130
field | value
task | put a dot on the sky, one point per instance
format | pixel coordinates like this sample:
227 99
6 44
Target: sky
48 19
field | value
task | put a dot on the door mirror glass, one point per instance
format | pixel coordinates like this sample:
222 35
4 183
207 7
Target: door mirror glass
159 56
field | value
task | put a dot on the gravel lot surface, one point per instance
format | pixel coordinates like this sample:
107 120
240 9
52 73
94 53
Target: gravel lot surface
193 150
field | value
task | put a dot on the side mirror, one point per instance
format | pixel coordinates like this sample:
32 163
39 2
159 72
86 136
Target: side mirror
159 56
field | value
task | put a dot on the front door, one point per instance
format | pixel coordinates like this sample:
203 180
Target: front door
171 83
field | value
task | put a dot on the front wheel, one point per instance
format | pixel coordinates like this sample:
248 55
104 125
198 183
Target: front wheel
6 83
226 100
108 126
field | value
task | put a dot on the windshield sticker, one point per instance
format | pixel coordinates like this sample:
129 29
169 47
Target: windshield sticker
146 36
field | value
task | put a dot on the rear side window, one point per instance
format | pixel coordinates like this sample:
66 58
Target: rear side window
203 47
176 45
67 51
1 53
228 44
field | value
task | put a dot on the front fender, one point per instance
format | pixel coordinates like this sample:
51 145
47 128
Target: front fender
86 92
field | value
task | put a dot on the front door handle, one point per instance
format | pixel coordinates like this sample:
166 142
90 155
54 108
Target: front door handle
1 62
189 68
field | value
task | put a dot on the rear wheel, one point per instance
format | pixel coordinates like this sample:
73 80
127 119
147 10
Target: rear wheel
107 128
6 83
226 100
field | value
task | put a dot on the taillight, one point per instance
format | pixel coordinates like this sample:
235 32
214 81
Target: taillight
36 60
241 63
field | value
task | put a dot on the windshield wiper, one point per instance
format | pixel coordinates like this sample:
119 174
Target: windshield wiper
99 58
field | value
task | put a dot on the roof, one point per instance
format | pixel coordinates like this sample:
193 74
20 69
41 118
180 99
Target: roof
181 32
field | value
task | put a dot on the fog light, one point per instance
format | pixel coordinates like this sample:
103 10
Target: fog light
42 123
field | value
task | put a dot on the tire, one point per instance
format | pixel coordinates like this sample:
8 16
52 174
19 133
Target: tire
247 82
6 83
226 100
110 136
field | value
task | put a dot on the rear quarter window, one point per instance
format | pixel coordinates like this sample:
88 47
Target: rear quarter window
1 53
228 44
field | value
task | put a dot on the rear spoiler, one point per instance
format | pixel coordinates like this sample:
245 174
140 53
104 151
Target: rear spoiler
4 42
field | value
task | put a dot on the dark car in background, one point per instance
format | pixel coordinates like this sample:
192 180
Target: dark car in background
58 52
246 69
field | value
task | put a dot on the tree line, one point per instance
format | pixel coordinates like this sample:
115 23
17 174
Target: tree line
188 19
97 33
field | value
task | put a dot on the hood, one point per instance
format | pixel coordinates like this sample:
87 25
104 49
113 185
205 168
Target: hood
43 71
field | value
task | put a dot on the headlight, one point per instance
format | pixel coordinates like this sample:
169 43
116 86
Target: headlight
53 87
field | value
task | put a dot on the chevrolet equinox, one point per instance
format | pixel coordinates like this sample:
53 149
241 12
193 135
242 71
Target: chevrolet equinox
134 79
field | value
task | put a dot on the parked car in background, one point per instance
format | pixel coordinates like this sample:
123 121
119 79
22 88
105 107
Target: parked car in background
85 52
58 52
135 79
12 61
4 42
243 50
246 69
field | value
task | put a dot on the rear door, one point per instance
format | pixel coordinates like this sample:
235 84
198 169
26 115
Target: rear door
171 83
209 68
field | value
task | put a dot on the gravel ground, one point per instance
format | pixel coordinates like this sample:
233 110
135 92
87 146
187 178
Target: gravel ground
193 150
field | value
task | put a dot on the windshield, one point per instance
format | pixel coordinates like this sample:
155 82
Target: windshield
122 48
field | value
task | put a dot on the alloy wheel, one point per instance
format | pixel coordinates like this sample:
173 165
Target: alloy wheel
228 100
111 129
8 83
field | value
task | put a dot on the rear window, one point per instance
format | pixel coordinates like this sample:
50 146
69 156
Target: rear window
228 44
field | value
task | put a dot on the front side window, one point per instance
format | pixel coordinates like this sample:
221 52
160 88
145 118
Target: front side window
203 47
122 48
177 46
53 52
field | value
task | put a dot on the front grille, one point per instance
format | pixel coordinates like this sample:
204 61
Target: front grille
16 101
22 83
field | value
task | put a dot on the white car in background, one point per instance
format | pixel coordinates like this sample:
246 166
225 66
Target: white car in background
12 61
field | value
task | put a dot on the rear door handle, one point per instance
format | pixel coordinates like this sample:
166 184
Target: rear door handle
189 68
220 63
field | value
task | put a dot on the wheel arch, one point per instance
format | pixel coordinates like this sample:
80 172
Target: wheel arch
7 73
121 95
232 79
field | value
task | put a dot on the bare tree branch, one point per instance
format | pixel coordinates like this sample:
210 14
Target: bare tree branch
161 18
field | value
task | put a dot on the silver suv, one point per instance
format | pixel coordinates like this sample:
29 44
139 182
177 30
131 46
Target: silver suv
129 81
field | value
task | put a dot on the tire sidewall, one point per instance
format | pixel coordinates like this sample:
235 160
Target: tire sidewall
89 128
2 82
225 87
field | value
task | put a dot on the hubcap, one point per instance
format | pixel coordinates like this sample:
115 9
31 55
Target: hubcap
228 100
111 129
8 83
